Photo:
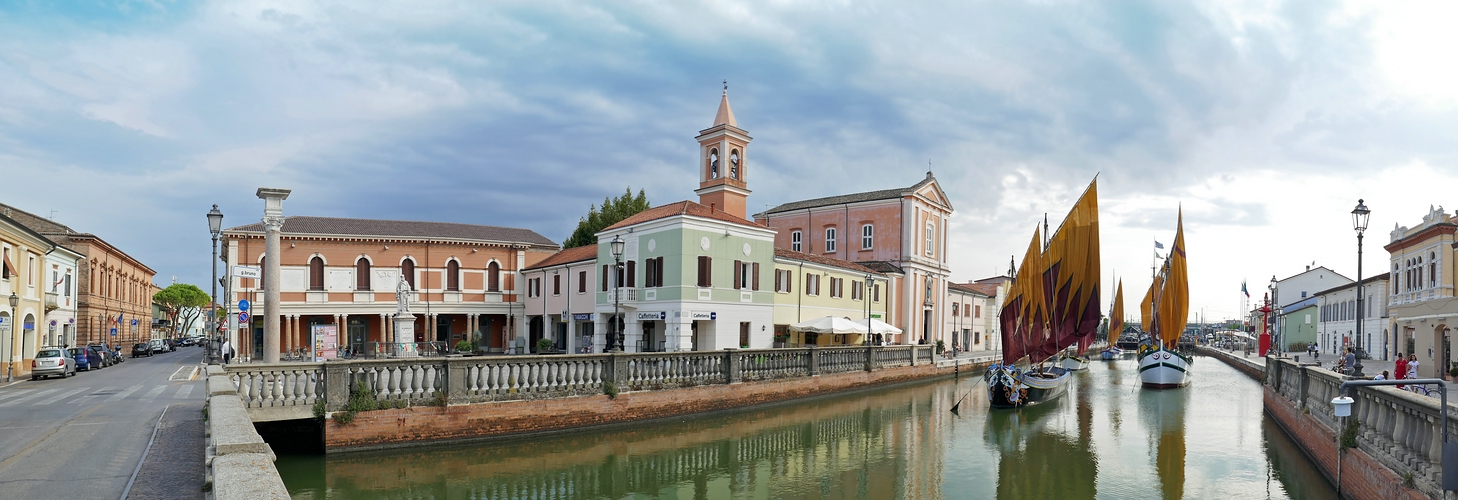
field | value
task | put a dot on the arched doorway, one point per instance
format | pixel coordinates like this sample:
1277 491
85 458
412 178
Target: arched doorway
534 333
27 338
1439 354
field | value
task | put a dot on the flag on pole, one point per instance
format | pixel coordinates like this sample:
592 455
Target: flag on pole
1158 245
1243 290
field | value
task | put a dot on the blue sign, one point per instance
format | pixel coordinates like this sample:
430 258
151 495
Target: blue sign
582 316
134 322
113 332
243 305
242 317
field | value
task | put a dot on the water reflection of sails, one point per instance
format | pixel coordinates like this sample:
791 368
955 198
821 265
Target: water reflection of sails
1164 413
1036 460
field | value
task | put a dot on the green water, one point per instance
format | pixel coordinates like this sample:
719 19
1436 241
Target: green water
1104 439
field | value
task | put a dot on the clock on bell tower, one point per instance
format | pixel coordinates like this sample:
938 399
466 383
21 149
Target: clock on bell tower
722 169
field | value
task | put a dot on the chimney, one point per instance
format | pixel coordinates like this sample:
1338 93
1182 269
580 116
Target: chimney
711 208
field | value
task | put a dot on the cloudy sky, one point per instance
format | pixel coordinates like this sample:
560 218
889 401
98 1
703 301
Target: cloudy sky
1265 120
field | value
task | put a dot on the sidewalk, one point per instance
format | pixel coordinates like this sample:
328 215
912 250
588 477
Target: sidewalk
1370 367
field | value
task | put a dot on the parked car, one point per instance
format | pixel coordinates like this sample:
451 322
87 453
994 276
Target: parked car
103 357
141 349
82 357
52 361
158 345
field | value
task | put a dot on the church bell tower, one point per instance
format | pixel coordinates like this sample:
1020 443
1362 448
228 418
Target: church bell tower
722 148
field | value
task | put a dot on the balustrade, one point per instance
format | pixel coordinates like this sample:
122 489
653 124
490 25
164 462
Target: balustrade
841 359
273 385
659 370
500 378
763 364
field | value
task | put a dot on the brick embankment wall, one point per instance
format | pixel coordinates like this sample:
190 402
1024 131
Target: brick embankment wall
1252 369
1362 477
511 419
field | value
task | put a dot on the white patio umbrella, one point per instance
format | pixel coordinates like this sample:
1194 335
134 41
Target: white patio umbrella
878 326
829 324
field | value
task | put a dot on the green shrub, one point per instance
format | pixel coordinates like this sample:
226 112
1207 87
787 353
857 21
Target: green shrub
319 409
611 389
1349 434
941 346
440 399
1407 480
544 345
362 398
465 346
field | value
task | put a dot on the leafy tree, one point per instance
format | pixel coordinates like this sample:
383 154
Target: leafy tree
182 303
613 211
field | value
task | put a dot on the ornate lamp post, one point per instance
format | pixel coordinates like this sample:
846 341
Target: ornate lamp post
215 225
1359 222
1275 320
616 342
866 297
10 342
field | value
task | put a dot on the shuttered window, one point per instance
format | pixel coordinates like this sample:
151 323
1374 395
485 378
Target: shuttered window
706 274
604 285
407 269
581 281
632 273
316 273
754 277
556 284
453 276
738 275
493 277
362 274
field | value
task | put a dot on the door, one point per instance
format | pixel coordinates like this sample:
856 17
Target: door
744 335
647 344
358 331
443 329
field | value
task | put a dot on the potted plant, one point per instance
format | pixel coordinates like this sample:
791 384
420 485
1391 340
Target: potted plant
465 347
544 345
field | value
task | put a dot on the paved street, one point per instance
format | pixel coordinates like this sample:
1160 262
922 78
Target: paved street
82 437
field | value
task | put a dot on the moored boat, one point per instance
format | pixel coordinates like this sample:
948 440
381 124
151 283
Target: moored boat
1166 308
1011 387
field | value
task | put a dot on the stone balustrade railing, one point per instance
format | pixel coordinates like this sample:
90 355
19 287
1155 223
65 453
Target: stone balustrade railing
298 386
1400 429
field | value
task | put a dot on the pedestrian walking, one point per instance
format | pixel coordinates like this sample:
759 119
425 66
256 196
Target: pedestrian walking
1412 367
1401 369
1349 362
227 351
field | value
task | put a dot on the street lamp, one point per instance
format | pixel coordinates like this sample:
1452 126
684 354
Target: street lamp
1275 323
215 225
9 343
1359 222
616 342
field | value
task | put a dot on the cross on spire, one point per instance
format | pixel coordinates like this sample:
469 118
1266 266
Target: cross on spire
726 86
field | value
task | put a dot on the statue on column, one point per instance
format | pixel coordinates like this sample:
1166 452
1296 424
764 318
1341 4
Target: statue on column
402 296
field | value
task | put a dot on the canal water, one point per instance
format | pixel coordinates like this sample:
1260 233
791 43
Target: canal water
1106 438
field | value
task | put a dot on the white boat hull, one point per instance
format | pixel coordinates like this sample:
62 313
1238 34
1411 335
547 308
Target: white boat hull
1074 363
1164 369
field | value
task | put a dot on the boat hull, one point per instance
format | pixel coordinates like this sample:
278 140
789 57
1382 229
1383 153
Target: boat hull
1111 354
1164 369
1074 363
1010 387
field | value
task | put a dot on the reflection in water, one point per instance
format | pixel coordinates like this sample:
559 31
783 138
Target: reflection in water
892 443
1163 412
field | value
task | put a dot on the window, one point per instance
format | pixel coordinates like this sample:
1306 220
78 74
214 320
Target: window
453 275
856 292
868 236
534 287
316 273
653 272
30 272
876 293
493 277
1432 270
362 274
812 284
734 164
581 281
830 239
977 311
603 283
741 275
713 163
706 271
754 276
931 237
835 288
795 240
407 269
68 283
782 280
556 284
632 271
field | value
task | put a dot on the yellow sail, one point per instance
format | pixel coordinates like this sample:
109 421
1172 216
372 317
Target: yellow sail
1116 316
1075 248
1030 281
1174 296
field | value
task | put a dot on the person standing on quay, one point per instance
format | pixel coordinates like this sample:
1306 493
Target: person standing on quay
1401 371
227 351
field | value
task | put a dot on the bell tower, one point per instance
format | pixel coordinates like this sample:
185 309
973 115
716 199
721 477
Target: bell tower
722 162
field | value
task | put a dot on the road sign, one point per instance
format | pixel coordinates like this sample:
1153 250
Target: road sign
243 305
134 322
248 272
113 332
242 317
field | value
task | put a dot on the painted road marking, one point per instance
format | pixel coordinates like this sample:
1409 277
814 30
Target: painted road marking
183 392
31 395
152 394
59 397
17 392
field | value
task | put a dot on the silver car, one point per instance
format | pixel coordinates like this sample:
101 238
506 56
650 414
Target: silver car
52 361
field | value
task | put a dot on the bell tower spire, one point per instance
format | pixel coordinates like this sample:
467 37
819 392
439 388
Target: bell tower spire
723 149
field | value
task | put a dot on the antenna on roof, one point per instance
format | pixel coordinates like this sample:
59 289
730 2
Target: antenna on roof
53 215
726 86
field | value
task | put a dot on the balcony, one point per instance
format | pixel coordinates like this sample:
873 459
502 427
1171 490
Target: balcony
53 301
623 294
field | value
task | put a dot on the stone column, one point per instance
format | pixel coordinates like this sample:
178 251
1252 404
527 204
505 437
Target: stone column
600 327
632 332
273 222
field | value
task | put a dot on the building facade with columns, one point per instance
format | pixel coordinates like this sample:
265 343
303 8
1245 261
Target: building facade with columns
463 280
1421 304
903 227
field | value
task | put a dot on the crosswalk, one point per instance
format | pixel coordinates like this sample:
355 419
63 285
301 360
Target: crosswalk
19 397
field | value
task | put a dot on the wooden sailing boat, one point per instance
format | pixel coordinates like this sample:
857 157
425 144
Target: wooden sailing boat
1161 365
1116 325
1053 303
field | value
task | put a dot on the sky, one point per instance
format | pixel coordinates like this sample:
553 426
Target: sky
1264 121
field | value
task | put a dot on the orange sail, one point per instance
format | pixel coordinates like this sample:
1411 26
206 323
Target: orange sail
1116 316
1173 307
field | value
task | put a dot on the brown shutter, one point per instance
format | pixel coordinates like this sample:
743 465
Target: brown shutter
632 278
779 280
789 281
604 277
737 281
755 279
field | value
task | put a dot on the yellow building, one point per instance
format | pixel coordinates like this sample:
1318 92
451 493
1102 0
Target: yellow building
22 263
813 286
1421 303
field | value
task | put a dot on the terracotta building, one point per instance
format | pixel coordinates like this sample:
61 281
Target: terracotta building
901 232
344 272
114 290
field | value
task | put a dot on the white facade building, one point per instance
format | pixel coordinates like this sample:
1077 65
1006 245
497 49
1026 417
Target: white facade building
61 291
1338 312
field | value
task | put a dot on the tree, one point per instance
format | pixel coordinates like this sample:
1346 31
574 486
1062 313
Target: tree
613 211
181 301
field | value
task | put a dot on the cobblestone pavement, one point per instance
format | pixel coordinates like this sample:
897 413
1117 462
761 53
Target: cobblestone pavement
173 469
